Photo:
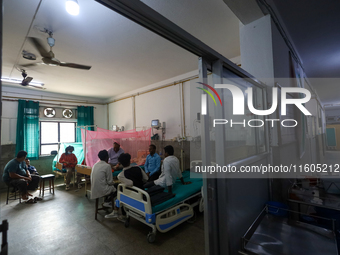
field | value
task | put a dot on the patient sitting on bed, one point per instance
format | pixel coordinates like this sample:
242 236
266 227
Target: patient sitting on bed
131 175
170 171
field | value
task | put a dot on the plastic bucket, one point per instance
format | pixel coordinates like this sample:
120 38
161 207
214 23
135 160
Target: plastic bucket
275 208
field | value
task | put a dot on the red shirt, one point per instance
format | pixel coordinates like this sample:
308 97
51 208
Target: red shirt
70 158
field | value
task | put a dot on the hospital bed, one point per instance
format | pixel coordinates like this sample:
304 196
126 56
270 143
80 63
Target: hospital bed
167 215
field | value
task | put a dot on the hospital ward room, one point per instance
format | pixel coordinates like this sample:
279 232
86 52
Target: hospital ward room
156 127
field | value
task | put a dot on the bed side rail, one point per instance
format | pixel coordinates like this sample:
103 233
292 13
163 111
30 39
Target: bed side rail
134 198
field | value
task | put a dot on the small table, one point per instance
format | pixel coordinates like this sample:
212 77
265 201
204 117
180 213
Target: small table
43 178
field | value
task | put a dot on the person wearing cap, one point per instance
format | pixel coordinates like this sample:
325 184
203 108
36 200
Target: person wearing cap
114 154
69 161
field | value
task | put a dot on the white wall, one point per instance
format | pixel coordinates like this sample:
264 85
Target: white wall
161 104
257 49
10 109
9 122
121 114
164 104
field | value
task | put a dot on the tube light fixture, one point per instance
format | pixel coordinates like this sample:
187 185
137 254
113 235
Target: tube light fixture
16 81
72 7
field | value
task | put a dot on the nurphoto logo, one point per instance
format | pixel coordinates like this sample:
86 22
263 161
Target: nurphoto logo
239 102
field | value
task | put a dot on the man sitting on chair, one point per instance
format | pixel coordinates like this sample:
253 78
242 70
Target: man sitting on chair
31 168
33 171
16 174
102 180
114 154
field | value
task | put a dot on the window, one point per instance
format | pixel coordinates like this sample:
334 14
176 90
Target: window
54 133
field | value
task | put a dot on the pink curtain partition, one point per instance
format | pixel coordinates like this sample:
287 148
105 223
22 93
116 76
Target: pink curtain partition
136 143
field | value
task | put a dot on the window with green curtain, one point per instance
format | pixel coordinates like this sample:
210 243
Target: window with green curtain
28 128
85 118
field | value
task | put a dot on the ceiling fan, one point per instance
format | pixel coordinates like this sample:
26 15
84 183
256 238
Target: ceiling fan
48 57
27 81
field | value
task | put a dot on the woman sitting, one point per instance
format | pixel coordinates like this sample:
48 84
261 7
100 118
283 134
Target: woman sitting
69 161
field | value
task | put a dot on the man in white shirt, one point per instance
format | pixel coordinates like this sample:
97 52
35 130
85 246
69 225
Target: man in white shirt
101 179
170 171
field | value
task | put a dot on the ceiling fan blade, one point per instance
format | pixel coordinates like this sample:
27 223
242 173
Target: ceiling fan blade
38 45
26 81
72 65
36 87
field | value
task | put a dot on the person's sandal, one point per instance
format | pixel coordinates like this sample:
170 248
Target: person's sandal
37 199
30 201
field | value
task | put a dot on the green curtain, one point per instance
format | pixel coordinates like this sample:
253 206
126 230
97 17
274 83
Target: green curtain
28 128
85 118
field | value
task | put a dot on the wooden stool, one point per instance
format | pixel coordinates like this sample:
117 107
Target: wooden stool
14 196
43 178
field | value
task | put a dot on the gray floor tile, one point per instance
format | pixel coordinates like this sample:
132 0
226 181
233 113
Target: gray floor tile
64 224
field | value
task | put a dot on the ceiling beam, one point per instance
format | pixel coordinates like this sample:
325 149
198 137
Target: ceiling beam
246 11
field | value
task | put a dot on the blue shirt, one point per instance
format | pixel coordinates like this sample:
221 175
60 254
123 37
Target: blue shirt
13 166
152 163
32 169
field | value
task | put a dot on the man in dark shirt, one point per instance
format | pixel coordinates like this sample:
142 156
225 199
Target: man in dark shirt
131 175
30 168
17 175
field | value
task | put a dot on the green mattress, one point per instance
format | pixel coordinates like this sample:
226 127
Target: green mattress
182 191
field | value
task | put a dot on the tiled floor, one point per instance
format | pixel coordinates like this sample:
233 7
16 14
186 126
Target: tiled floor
64 224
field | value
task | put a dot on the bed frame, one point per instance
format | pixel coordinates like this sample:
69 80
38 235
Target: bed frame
137 204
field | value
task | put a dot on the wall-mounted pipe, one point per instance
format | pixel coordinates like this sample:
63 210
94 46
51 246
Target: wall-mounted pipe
161 87
10 98
108 116
134 111
183 114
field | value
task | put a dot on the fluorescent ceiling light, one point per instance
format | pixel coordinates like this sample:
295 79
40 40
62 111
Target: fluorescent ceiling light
16 81
72 7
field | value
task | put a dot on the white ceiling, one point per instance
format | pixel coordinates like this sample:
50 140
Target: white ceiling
124 56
